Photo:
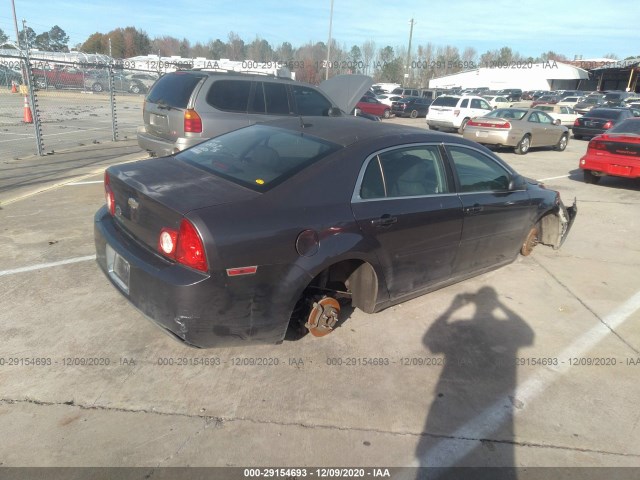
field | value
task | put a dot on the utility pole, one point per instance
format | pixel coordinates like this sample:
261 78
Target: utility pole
412 23
326 75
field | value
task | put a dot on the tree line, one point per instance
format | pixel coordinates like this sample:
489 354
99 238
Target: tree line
308 61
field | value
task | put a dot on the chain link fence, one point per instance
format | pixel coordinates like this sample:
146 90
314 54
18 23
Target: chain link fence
48 106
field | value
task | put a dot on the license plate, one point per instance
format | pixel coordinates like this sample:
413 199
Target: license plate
619 170
482 134
118 269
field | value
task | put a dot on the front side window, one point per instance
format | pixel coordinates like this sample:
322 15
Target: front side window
404 172
478 172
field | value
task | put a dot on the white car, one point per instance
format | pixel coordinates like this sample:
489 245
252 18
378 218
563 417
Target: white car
566 115
497 101
388 98
454 111
570 101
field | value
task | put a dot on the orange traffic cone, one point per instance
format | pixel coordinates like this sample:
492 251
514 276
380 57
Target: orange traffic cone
28 118
14 89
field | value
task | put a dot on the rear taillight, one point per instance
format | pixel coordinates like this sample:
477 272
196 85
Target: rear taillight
192 121
608 125
108 194
596 145
576 123
475 123
184 246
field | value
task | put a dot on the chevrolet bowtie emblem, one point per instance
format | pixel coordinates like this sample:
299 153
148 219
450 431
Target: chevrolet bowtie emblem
133 203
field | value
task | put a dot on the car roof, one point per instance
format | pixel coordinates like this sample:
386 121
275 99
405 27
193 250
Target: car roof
348 130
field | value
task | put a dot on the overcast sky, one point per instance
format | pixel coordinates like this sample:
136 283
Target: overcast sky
589 28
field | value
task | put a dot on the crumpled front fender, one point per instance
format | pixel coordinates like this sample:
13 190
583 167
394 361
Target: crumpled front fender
556 226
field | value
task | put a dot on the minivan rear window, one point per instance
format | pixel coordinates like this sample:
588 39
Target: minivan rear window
174 89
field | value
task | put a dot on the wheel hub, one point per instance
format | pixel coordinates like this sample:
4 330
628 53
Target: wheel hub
323 316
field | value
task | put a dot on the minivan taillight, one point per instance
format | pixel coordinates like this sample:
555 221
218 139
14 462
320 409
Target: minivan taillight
607 125
108 194
192 121
184 246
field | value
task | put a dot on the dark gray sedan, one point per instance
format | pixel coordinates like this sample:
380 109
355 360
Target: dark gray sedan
284 223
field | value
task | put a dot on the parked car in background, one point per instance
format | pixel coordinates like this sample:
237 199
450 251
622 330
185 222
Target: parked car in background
512 94
406 92
566 115
374 106
388 98
99 82
520 128
615 97
59 77
453 112
592 101
411 107
599 120
497 101
234 239
616 153
551 99
184 108
146 79
570 101
8 75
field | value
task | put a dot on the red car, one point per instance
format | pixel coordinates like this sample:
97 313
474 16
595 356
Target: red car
616 153
374 107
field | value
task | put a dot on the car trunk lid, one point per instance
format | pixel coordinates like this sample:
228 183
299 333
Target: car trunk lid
145 202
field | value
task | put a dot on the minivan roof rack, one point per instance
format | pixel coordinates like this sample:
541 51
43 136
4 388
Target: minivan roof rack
245 72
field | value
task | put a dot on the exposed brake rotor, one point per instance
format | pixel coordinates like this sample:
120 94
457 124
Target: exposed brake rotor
530 242
323 316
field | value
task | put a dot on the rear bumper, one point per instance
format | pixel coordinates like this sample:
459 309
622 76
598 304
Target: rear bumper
201 310
161 147
615 165
587 132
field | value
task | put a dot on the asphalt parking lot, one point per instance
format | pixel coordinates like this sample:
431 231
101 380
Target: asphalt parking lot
532 365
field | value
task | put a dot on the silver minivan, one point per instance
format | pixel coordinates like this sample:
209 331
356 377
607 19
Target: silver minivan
184 108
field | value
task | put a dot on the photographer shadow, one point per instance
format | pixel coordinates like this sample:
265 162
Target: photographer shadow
470 422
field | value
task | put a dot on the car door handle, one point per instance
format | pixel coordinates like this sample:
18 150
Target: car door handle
385 220
473 210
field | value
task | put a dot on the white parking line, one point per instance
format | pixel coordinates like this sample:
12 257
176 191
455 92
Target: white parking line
448 452
552 178
83 183
46 265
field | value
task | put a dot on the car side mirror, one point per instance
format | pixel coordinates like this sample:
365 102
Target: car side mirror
334 112
557 121
516 183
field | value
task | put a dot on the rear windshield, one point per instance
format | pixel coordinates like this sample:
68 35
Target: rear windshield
258 157
507 113
603 113
445 102
174 89
630 125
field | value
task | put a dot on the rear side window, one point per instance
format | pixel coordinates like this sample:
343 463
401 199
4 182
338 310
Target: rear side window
174 89
229 95
405 172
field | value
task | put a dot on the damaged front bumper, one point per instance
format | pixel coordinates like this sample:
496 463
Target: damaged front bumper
555 227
